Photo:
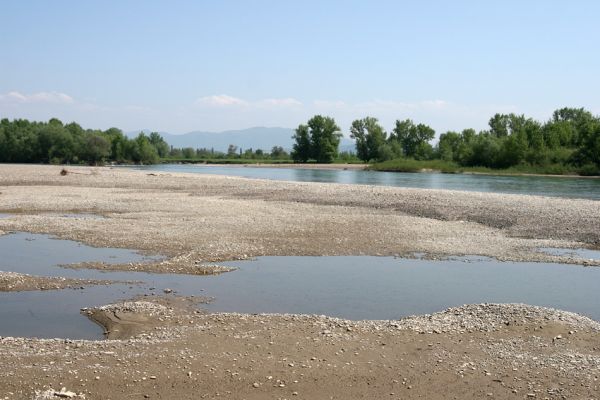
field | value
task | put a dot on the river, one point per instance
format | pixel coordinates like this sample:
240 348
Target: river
573 187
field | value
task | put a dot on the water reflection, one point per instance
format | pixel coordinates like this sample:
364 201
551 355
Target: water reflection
354 287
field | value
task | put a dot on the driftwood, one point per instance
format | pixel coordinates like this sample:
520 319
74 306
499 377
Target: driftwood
64 172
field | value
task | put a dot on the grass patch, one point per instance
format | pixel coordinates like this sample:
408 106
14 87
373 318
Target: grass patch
410 165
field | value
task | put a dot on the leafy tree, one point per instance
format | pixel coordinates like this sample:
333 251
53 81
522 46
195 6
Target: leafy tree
412 137
232 151
318 140
448 146
301 150
97 149
143 151
187 152
324 138
499 125
370 140
162 148
278 153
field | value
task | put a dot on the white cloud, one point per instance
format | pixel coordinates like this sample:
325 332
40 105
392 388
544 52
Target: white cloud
40 97
285 102
329 103
221 100
224 100
434 103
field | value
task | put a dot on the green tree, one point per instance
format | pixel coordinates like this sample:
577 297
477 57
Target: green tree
162 148
448 146
301 149
324 138
187 152
413 138
232 151
370 140
499 125
97 149
142 150
278 153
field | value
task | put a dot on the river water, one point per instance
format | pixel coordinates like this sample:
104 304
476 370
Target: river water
588 188
349 287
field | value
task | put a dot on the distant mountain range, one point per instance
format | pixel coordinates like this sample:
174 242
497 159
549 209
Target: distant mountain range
254 138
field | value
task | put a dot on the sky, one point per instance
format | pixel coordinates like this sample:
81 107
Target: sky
180 66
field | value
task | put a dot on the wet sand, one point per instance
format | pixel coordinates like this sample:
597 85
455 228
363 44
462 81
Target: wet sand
177 351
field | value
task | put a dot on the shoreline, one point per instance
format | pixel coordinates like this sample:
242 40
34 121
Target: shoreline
164 347
366 167
332 166
17 282
259 217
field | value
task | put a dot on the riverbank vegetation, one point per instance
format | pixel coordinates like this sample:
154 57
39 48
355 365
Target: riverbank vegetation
568 143
22 141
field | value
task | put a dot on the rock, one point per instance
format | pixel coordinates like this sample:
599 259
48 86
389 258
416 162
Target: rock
64 393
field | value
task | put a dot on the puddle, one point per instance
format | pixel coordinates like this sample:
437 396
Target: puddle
357 288
4 215
36 254
575 253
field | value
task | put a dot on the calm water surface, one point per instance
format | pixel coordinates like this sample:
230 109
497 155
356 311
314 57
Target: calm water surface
539 185
349 287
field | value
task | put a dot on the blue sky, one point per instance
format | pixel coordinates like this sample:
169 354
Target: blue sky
214 65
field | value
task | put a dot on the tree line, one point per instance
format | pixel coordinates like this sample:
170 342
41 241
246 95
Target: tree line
569 140
571 137
233 153
22 141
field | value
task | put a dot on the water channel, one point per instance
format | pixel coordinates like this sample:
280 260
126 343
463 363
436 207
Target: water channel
574 187
354 287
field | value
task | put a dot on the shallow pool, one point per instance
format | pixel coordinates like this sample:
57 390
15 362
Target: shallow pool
354 287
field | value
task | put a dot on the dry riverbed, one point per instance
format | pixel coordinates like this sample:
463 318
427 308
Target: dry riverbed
167 348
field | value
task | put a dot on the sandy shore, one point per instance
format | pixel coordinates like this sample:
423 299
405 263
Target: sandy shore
166 348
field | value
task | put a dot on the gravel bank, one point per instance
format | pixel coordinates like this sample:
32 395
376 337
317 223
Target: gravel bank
544 354
15 282
199 219
168 349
